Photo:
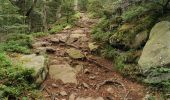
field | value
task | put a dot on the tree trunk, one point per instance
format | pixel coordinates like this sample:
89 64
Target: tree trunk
32 7
75 5
45 17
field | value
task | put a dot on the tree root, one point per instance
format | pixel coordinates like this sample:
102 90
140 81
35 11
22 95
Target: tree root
110 82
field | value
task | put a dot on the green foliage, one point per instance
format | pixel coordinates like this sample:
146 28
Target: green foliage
95 8
159 78
109 52
15 81
12 21
57 28
20 43
62 23
133 12
120 61
39 34
101 31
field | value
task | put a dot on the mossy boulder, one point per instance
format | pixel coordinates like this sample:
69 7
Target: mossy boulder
155 58
156 52
75 54
132 35
37 63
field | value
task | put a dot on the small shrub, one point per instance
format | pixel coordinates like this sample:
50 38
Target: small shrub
39 34
57 28
158 78
19 43
109 52
120 61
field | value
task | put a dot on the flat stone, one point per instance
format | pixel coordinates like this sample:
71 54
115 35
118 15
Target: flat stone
40 44
77 35
75 54
78 31
63 72
62 37
92 46
55 40
78 68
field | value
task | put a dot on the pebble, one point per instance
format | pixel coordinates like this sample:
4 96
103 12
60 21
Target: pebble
86 71
85 85
54 85
63 93
92 77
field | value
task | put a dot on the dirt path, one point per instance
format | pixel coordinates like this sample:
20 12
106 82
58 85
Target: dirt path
76 74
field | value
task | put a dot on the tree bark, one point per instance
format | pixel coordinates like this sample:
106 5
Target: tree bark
75 5
32 7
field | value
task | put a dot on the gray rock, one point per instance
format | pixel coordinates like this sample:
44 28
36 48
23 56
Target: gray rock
37 63
63 72
140 39
156 52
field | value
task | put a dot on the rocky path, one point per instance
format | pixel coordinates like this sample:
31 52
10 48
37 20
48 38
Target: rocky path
76 74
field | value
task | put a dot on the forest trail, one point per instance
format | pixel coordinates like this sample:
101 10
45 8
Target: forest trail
76 74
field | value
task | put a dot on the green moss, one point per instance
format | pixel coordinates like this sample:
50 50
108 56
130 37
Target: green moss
19 43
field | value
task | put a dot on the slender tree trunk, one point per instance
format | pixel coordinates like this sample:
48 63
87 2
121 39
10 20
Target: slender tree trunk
31 8
45 17
75 5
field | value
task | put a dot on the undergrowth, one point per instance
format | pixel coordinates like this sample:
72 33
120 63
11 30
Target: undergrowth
16 82
62 23
20 43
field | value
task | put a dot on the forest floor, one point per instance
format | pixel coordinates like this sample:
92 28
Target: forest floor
83 78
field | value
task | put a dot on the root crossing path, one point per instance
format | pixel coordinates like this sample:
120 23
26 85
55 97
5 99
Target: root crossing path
76 74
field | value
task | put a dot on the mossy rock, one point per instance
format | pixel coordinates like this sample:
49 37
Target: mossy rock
155 59
32 61
123 36
75 54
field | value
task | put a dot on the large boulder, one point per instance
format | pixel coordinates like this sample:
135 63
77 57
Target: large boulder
156 52
155 58
37 63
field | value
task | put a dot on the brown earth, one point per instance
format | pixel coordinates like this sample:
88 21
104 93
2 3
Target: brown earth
96 78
